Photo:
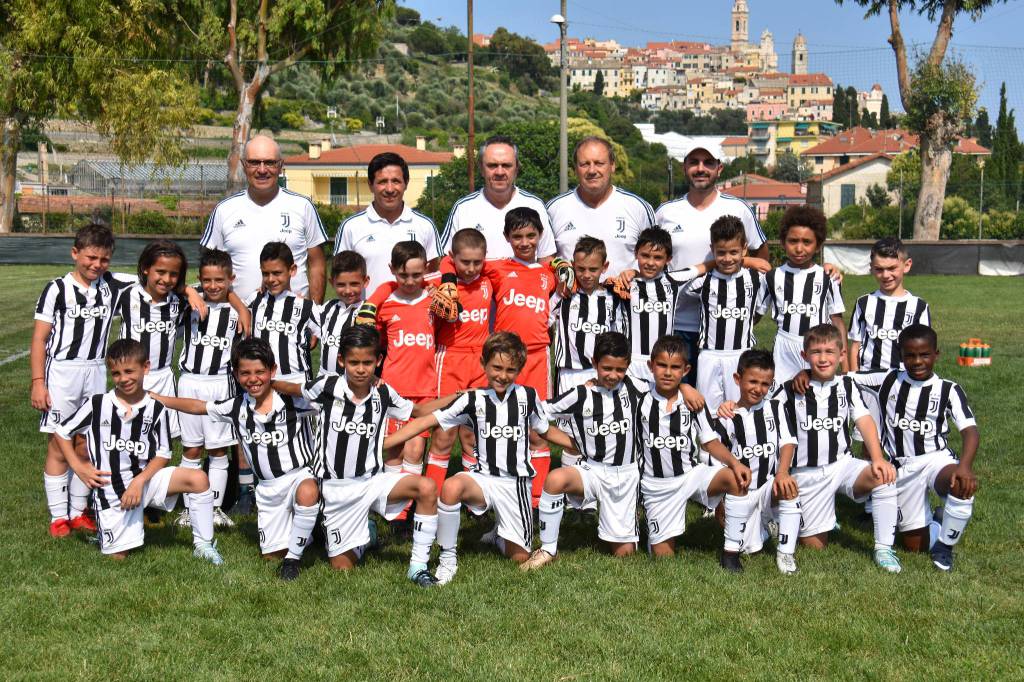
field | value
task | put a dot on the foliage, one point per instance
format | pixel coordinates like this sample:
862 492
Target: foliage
406 16
982 129
1003 167
599 83
959 221
428 39
865 222
964 177
941 97
877 196
522 59
791 168
884 117
685 122
743 165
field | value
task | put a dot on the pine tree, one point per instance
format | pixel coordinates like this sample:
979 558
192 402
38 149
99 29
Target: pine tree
840 110
884 118
1004 165
983 129
853 112
599 83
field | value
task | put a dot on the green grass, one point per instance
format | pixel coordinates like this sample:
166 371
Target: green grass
69 613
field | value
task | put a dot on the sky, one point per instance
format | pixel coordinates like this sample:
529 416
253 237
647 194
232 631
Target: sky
840 41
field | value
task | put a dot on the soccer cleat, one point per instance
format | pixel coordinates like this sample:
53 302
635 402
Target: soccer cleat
539 559
730 561
83 522
246 502
942 556
423 578
221 520
490 537
707 513
208 552
773 530
786 563
374 542
290 569
887 560
61 528
447 566
184 519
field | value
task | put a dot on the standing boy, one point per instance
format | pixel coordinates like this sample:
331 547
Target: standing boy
348 277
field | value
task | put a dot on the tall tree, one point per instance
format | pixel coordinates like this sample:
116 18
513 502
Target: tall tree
936 96
840 107
1004 165
96 61
983 128
257 39
599 83
884 118
853 111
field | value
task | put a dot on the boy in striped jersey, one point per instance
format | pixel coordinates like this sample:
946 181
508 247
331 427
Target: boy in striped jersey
758 435
800 293
129 446
348 277
69 341
277 439
917 406
206 375
288 323
600 418
501 416
354 481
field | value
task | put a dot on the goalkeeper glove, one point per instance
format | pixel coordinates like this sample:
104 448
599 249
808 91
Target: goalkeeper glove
566 275
444 303
366 314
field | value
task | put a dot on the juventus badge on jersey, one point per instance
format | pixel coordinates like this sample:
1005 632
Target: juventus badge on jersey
286 221
769 421
841 398
620 225
933 404
817 287
544 281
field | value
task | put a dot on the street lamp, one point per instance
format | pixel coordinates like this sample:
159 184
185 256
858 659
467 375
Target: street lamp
563 115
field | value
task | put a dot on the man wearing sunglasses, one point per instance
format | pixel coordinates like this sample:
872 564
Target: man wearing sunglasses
243 223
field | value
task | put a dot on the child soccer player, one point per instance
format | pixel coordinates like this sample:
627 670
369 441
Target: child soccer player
69 341
354 481
206 375
600 418
129 446
289 324
758 435
500 416
917 406
800 293
820 417
729 298
278 442
674 470
348 277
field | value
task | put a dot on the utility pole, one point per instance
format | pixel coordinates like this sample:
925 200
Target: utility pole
472 137
563 106
900 231
981 198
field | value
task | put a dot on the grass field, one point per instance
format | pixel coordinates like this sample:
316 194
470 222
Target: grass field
68 613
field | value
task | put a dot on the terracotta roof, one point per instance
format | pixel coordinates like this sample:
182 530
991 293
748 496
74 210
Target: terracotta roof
735 141
360 155
809 79
856 163
861 142
767 191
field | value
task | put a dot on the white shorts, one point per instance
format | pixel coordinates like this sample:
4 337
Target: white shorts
760 515
123 529
511 500
788 360
162 381
347 503
70 383
665 500
914 478
275 504
818 488
715 376
614 491
199 430
639 369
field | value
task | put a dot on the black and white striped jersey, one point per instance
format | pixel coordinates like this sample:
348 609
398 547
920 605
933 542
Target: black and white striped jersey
119 441
876 324
728 305
670 440
652 308
578 321
288 324
501 427
821 418
352 432
915 415
80 315
208 342
755 435
275 443
335 317
154 325
801 298
601 422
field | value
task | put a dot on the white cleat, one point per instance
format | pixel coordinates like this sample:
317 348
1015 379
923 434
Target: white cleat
208 552
786 563
184 519
221 520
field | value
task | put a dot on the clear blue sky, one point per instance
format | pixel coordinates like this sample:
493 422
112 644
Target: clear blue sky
850 49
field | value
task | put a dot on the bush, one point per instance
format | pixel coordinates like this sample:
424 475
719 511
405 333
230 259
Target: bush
331 217
959 220
1002 225
293 120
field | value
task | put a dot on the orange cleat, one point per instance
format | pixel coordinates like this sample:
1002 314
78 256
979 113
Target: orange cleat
84 522
60 528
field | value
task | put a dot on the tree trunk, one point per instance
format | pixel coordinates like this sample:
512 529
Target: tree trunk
8 172
243 126
936 159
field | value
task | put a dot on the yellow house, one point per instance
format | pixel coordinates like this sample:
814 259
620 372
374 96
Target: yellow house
338 176
768 139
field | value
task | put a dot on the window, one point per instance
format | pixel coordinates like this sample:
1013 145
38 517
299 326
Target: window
339 191
847 195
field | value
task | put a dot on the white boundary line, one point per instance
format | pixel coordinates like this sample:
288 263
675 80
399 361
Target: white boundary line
14 358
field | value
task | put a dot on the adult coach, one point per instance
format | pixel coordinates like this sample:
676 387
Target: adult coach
485 209
373 232
243 223
597 208
689 218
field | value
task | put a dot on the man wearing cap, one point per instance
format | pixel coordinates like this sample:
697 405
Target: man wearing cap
689 218
597 208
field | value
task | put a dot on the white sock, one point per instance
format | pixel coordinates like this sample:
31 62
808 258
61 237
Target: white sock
218 479
955 515
884 514
56 495
393 468
193 465
412 467
78 495
550 509
449 516
737 513
200 514
424 530
246 479
303 520
789 525
569 459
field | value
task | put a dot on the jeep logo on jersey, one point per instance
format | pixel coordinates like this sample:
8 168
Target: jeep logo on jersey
265 438
809 309
610 429
86 312
132 447
757 451
408 339
883 334
350 427
164 327
822 424
332 340
651 307
587 327
730 313
276 326
210 340
534 303
509 432
925 428
667 442
480 315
